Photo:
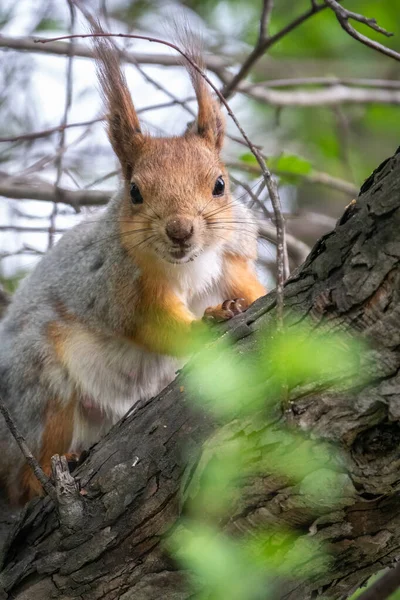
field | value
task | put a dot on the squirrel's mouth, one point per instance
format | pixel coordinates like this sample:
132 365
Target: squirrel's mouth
180 255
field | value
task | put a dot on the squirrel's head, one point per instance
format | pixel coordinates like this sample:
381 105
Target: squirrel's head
176 200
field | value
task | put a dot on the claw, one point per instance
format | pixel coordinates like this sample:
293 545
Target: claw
225 311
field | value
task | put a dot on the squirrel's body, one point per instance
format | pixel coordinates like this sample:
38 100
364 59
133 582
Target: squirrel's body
106 317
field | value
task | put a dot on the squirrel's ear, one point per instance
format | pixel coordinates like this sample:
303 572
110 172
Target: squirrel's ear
124 130
210 120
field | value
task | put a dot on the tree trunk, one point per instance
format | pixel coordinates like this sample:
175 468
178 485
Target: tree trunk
132 478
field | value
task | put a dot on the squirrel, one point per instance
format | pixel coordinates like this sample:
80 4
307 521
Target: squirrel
108 314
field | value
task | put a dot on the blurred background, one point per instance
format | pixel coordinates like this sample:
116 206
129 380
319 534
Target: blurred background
322 106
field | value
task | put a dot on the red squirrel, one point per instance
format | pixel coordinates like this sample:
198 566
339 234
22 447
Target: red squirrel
108 314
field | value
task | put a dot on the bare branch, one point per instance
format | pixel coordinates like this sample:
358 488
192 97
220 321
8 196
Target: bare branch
61 147
23 229
343 15
316 177
255 196
47 132
331 80
213 63
298 250
263 45
26 249
42 190
333 95
268 5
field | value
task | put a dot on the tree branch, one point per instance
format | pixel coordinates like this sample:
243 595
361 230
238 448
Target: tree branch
58 163
315 177
331 96
266 12
133 478
263 45
343 15
41 190
213 63
337 94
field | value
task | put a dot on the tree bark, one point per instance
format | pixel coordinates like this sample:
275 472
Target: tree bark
132 480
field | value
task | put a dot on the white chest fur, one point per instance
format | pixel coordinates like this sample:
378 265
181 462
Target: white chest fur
198 282
115 373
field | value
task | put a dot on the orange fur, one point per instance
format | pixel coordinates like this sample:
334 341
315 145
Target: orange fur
58 428
162 321
56 439
241 279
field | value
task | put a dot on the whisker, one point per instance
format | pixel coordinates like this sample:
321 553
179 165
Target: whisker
156 214
205 206
113 237
250 234
220 209
232 222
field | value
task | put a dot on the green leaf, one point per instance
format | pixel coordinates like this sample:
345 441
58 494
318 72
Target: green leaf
290 163
221 564
288 166
47 24
248 158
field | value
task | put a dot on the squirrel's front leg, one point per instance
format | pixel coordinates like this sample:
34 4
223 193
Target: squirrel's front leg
163 324
242 288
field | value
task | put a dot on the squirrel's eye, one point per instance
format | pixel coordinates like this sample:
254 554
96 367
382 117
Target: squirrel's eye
136 196
219 187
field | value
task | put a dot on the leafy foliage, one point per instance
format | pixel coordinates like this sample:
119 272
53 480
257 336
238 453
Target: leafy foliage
248 567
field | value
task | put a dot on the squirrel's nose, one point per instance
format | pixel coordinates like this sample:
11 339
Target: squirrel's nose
179 230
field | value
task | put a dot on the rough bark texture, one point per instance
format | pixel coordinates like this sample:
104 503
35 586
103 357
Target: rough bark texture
111 546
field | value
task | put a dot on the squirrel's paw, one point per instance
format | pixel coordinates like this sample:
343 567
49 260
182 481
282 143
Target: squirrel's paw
225 311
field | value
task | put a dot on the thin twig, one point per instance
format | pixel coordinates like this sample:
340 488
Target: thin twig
329 80
61 148
282 257
21 189
297 249
266 12
343 15
263 45
315 177
255 196
23 229
214 63
47 132
30 459
329 96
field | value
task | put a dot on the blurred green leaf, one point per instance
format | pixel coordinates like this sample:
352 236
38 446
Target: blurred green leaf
291 164
248 158
48 24
302 354
220 563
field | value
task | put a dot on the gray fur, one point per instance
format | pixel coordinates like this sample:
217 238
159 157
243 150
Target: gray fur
81 273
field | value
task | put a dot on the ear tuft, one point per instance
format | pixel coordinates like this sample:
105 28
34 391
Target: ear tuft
210 120
123 129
